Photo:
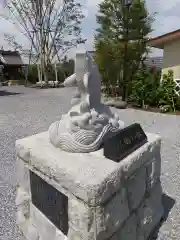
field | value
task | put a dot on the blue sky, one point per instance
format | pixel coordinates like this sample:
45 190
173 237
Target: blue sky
167 19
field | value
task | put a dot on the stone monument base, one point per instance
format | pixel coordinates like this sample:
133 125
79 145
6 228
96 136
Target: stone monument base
86 196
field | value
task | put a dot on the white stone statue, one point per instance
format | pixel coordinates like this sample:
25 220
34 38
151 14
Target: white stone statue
89 122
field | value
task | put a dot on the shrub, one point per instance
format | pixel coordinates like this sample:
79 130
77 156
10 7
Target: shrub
148 90
144 88
168 99
32 73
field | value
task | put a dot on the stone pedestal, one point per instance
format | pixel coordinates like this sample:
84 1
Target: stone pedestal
86 196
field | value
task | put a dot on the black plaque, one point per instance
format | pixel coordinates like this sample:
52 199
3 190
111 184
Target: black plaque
52 203
124 142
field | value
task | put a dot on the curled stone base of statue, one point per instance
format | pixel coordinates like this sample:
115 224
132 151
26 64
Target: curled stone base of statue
89 122
85 135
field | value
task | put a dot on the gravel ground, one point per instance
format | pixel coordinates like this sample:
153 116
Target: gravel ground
33 110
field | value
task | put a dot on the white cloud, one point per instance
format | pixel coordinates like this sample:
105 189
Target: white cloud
93 3
167 20
161 6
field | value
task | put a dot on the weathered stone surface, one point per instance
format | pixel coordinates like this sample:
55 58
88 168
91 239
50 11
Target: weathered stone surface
22 203
153 171
22 173
117 104
150 213
60 236
81 217
114 102
23 153
141 156
103 196
136 188
22 196
85 181
128 231
113 215
31 232
46 229
73 235
106 219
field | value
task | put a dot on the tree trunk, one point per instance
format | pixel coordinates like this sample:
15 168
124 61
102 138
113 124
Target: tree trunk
26 78
56 74
45 72
39 73
45 66
124 92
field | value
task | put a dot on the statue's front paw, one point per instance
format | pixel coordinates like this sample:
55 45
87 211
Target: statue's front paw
81 120
121 124
114 123
84 107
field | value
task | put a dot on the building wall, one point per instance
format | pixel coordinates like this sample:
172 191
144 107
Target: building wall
171 59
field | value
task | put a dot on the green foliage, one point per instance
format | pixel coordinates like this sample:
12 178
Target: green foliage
32 73
144 88
166 94
64 69
119 52
108 63
149 90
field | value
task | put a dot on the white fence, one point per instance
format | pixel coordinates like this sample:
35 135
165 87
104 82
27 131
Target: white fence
177 88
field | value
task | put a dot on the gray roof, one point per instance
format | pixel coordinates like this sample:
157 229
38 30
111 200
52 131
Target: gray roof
10 58
154 61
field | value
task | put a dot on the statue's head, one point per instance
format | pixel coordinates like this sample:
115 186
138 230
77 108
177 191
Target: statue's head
83 64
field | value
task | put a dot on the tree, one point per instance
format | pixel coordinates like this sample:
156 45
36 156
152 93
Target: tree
124 30
57 72
144 88
105 56
168 99
67 66
52 27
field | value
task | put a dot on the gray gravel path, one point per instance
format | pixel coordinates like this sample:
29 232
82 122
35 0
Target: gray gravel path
32 111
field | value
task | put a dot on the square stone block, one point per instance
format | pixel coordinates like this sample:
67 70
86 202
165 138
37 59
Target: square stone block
46 230
150 212
22 173
74 235
30 231
81 218
110 217
107 219
23 205
136 186
101 196
60 235
128 230
153 170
